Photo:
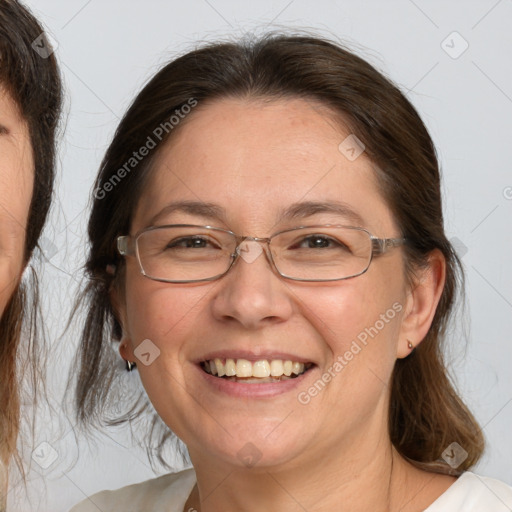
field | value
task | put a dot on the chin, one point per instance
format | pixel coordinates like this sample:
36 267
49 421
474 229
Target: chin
248 448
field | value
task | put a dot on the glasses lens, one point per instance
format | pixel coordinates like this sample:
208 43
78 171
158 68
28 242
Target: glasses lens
322 253
184 253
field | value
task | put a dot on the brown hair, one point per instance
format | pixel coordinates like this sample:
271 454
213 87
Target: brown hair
426 414
33 82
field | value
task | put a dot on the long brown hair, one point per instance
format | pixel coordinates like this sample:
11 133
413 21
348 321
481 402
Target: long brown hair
33 82
426 414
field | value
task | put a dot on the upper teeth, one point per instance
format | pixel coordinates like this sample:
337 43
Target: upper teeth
261 368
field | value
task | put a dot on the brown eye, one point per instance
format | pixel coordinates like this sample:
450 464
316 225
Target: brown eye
188 243
320 242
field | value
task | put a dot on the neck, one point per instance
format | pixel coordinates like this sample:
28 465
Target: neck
364 478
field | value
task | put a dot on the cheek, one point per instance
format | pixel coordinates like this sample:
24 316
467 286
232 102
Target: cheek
165 314
9 278
159 319
360 329
359 321
346 311
11 267
16 186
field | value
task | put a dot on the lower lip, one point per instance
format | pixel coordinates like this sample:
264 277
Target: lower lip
254 390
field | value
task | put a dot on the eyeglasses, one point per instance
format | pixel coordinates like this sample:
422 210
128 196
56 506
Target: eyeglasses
185 253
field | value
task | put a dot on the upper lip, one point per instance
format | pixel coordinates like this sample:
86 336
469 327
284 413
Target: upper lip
251 356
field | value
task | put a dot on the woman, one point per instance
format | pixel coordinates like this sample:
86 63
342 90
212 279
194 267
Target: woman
30 104
267 246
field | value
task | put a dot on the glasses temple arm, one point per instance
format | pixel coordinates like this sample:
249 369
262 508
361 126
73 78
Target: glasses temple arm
381 245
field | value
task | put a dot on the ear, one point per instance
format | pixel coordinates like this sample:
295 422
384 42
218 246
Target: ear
126 350
119 307
421 303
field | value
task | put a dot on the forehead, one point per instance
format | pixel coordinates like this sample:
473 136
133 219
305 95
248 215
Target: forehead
256 158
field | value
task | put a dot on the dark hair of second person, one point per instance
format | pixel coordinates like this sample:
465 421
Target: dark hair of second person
31 89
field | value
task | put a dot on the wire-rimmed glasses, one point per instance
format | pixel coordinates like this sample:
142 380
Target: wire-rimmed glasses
187 253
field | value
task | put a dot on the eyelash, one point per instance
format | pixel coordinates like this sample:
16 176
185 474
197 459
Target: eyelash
189 241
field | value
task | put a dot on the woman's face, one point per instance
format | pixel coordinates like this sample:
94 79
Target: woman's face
254 160
16 183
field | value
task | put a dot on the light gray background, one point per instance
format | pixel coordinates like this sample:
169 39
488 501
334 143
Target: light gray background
109 48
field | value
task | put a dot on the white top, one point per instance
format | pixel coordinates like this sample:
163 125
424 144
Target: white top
169 493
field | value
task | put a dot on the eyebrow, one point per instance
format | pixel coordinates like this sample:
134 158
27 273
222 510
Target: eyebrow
296 211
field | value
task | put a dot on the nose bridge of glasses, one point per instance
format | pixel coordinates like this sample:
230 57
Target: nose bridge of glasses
258 239
250 247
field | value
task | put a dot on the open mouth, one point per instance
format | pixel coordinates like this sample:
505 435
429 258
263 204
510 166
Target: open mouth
262 371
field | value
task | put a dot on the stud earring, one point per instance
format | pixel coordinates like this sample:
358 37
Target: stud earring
410 345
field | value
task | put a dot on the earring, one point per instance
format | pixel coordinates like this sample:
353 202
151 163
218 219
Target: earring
111 269
130 366
410 345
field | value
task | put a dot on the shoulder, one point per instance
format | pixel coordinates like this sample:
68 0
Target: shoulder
474 493
167 493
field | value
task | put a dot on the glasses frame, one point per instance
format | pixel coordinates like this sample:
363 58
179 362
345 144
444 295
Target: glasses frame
127 245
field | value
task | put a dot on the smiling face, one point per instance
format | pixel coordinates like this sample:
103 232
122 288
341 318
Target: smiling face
16 183
251 162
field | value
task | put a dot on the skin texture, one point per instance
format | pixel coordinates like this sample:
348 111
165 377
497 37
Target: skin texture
16 184
255 158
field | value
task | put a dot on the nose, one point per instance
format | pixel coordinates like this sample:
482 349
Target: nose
252 293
